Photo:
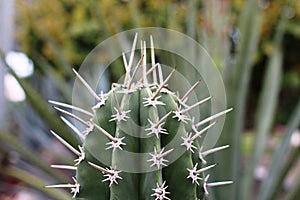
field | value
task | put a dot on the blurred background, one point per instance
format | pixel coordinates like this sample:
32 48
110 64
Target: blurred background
255 45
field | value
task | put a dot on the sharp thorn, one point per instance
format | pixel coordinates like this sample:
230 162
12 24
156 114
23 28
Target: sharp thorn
189 91
163 84
61 186
71 107
210 151
219 183
132 52
163 118
68 167
125 61
212 117
72 115
165 153
160 74
202 131
144 63
104 132
149 71
127 75
153 60
105 171
66 144
205 168
195 105
72 127
117 103
87 85
135 72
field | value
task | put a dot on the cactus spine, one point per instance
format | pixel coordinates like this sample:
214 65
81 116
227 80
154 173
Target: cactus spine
140 118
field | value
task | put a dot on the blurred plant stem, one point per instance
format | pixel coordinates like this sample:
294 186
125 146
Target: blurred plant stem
42 108
7 14
31 156
34 182
266 108
279 166
237 84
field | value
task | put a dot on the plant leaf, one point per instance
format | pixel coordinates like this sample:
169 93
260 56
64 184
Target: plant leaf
42 108
33 157
268 185
265 112
35 182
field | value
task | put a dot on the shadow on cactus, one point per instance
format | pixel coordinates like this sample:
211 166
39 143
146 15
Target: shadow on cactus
140 141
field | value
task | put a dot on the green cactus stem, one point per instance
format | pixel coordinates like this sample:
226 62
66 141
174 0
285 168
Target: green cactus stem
149 122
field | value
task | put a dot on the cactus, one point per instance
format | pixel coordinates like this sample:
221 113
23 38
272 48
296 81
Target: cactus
144 119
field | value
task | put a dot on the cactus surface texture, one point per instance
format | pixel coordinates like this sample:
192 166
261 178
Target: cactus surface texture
140 142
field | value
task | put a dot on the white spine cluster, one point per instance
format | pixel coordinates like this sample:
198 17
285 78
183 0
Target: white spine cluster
160 192
157 158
